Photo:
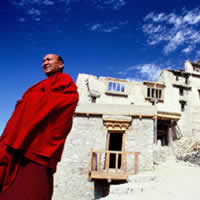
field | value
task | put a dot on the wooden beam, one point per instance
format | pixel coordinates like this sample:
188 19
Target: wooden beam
136 162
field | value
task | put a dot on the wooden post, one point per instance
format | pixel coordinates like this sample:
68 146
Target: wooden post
116 162
99 162
136 162
169 136
90 163
107 160
122 160
125 160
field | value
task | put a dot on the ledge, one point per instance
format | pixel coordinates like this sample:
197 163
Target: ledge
168 115
116 109
182 86
124 94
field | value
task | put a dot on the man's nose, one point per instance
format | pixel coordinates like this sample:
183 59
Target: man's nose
45 62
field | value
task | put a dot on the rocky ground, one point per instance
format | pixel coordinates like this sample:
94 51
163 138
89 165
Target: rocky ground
173 180
176 175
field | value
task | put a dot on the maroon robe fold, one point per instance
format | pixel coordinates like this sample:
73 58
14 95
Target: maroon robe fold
39 125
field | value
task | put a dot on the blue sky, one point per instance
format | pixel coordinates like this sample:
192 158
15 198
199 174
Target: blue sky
129 39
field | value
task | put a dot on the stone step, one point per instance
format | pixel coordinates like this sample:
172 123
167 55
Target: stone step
136 183
142 178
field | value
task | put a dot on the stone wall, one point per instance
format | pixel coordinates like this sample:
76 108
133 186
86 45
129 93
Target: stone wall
139 138
71 180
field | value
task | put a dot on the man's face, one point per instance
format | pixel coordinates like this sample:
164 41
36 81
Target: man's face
51 64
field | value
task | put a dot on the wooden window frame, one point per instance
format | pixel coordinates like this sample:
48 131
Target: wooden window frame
116 88
150 94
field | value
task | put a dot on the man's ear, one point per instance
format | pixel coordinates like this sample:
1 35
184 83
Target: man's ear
61 65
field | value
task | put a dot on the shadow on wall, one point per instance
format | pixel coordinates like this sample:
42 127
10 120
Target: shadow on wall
102 187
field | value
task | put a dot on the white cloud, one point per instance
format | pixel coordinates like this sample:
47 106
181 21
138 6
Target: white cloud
113 4
106 27
95 27
188 49
142 72
175 41
110 29
173 30
37 19
26 2
48 2
150 71
37 6
21 19
33 11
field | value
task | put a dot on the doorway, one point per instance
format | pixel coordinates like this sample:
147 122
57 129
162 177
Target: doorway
162 131
115 143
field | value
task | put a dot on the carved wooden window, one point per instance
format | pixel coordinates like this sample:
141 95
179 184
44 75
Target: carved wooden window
151 92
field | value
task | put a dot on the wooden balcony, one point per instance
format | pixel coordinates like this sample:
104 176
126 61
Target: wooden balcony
112 165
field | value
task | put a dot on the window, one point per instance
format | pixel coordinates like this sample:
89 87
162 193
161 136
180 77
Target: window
151 92
115 143
93 99
186 80
183 103
199 92
116 88
154 92
181 91
196 69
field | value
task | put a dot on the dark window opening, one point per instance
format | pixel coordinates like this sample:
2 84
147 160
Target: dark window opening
199 93
115 144
148 92
186 80
153 91
160 94
102 188
177 78
183 103
94 99
181 91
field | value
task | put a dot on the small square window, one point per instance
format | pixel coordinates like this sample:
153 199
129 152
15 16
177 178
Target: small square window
183 103
116 88
181 91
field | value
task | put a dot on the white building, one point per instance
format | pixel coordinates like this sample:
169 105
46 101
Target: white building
116 124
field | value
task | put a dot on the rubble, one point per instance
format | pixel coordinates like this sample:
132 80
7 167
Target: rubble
188 149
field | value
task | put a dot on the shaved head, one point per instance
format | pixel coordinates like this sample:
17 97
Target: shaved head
52 63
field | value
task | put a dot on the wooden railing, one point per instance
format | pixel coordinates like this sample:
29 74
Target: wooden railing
116 165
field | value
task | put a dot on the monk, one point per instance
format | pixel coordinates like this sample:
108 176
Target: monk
33 140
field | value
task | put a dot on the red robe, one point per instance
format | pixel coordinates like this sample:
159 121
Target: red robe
39 125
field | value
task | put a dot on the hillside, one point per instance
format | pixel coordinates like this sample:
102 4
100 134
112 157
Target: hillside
172 178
